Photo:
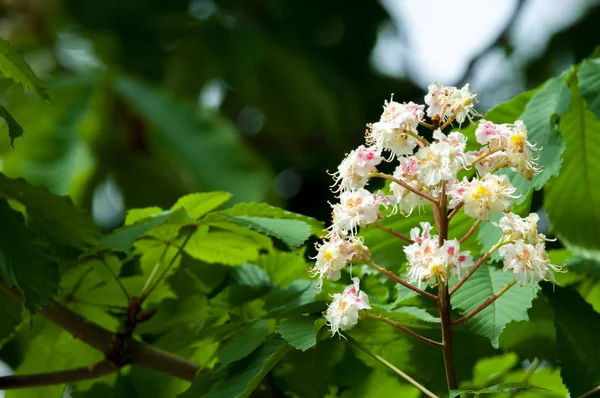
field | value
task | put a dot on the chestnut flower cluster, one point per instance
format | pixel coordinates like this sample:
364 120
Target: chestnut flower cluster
427 174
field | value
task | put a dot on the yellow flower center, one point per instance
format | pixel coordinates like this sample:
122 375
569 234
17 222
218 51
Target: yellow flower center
479 193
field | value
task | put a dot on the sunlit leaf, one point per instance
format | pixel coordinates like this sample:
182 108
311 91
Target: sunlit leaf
511 306
13 66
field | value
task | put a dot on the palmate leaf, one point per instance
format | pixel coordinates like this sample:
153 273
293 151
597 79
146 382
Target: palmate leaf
589 84
292 232
24 263
198 204
239 380
572 200
222 247
299 331
511 306
14 128
577 326
11 311
55 217
254 209
505 387
13 66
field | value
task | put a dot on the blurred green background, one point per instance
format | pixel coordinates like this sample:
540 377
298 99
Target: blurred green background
153 99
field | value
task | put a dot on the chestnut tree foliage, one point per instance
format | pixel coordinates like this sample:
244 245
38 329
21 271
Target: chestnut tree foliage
214 295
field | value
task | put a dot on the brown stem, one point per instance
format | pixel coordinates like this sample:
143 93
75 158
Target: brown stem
394 233
447 336
444 298
425 124
474 268
486 303
94 371
470 231
405 185
401 328
455 210
447 123
590 393
401 281
120 350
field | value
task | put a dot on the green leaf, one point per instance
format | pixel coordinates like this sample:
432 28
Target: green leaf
135 215
551 100
23 263
243 377
240 346
55 217
222 247
254 209
577 326
299 331
283 267
489 370
253 276
511 306
572 200
413 317
198 204
297 298
14 128
292 232
49 348
381 384
11 313
505 387
13 66
589 84
207 147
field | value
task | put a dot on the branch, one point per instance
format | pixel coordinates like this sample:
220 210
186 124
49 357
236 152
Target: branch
470 231
401 281
94 371
403 329
119 349
486 303
502 38
405 185
481 260
394 369
394 233
455 210
590 393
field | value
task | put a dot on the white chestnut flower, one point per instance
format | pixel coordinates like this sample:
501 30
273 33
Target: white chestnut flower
486 196
529 262
334 254
443 159
357 208
342 313
408 172
450 101
385 136
427 261
353 172
514 227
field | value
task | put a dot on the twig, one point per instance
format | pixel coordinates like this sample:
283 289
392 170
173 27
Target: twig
528 373
474 268
447 123
94 371
590 393
403 329
422 141
486 303
394 369
455 210
425 124
470 231
401 281
113 346
405 185
71 299
116 278
168 267
394 233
